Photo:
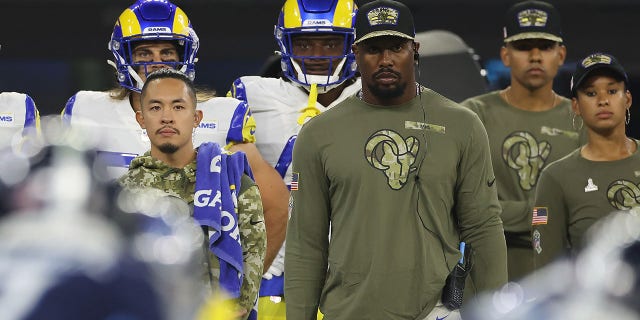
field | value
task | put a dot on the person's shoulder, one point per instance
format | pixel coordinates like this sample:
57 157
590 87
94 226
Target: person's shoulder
94 99
352 88
249 192
143 171
482 100
143 161
564 106
257 84
337 111
220 102
128 180
266 93
246 182
564 164
15 100
445 106
94 107
257 80
95 95
13 95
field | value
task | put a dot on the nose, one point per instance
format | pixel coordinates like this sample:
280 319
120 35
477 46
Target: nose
603 100
317 50
157 62
386 60
167 116
535 54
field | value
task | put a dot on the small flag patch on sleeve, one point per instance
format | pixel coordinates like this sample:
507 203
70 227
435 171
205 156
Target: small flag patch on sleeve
294 181
540 216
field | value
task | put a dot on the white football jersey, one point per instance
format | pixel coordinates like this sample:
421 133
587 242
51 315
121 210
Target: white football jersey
276 105
110 125
18 115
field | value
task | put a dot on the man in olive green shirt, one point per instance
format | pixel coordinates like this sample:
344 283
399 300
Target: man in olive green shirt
528 124
399 175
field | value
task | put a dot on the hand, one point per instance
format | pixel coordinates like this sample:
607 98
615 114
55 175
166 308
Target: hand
241 313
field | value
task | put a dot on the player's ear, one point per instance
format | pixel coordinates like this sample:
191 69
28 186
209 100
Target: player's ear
575 106
140 119
504 56
197 118
562 53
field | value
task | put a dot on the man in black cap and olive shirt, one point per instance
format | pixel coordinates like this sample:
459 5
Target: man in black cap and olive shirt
400 175
528 124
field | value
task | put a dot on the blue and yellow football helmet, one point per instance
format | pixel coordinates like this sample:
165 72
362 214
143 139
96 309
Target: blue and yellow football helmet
151 20
316 16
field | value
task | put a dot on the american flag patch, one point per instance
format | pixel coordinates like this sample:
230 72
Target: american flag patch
540 216
294 181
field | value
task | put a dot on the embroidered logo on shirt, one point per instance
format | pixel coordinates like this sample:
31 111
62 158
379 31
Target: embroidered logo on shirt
539 216
526 155
623 194
389 152
294 181
424 126
559 132
590 186
537 245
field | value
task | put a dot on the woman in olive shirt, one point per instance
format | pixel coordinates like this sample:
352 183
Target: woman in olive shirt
600 177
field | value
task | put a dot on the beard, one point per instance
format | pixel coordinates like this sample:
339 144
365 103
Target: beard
168 148
387 93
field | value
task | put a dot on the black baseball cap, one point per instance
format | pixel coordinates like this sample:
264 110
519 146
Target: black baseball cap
384 18
593 62
532 20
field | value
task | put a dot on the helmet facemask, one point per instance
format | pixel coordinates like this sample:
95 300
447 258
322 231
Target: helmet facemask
315 18
339 68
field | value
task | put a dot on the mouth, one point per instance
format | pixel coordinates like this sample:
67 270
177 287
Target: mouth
604 115
386 77
167 131
535 71
320 70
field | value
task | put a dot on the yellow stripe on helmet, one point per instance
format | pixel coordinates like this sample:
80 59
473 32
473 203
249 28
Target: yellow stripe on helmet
291 12
343 15
180 22
129 23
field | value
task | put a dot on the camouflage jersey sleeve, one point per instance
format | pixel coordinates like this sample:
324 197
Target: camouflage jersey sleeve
254 240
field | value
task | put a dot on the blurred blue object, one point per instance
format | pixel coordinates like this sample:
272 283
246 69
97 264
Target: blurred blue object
75 247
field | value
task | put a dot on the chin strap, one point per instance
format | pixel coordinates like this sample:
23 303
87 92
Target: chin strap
321 79
132 73
310 110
